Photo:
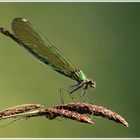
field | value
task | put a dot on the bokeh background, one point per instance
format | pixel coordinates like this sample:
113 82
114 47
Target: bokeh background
102 39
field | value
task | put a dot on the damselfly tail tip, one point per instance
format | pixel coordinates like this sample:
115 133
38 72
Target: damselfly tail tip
1 29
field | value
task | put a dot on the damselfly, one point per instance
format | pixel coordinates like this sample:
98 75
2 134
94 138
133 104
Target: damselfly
29 37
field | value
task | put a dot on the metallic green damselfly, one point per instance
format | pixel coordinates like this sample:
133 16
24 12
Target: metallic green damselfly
29 37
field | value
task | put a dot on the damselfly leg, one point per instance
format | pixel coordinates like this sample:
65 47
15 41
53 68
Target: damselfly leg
83 94
75 89
67 89
72 89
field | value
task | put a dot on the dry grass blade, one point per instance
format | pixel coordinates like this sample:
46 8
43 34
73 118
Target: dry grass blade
19 109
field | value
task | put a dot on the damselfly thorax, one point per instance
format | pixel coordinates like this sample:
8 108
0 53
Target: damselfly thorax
82 83
81 78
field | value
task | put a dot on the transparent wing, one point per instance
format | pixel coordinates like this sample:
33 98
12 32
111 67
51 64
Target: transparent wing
39 46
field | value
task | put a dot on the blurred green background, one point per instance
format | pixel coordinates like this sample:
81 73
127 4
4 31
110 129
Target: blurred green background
102 39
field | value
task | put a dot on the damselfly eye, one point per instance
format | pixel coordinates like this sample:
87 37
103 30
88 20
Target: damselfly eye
93 84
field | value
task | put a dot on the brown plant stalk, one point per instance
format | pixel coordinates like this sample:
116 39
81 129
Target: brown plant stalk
75 111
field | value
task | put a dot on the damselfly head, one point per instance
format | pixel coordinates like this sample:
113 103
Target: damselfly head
92 83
